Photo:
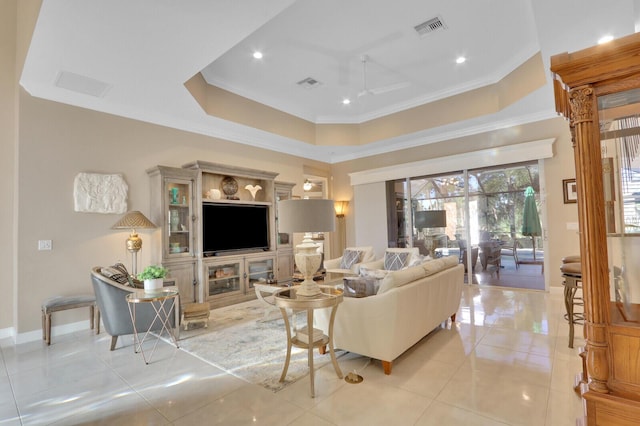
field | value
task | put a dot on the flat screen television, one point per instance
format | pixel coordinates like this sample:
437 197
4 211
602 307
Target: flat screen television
234 227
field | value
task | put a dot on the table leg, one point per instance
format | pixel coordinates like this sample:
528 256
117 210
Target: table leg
288 328
162 315
310 350
334 361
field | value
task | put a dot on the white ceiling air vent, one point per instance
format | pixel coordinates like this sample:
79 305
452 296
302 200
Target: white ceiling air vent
82 84
427 27
309 83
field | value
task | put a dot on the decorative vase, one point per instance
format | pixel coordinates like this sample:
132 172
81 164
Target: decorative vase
153 285
174 220
174 195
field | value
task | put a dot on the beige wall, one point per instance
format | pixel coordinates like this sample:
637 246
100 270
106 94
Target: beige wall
8 99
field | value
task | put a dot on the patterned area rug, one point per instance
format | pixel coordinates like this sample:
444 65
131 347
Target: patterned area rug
249 341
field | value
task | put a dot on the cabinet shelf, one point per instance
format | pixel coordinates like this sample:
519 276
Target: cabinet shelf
225 201
214 279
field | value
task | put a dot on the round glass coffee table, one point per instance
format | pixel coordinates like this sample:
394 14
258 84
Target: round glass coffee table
330 297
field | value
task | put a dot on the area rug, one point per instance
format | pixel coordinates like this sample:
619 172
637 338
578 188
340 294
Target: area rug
250 344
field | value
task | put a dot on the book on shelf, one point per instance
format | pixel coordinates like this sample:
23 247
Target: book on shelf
303 335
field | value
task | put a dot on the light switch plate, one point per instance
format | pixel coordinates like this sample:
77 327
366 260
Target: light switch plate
44 244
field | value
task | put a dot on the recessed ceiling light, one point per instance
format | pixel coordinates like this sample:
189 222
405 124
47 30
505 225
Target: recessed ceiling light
257 55
605 39
346 101
460 59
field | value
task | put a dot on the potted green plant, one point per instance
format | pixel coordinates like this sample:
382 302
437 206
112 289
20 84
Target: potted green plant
153 277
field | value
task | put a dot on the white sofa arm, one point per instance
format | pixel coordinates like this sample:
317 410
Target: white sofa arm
332 263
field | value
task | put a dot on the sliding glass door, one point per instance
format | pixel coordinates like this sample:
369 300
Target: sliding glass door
476 214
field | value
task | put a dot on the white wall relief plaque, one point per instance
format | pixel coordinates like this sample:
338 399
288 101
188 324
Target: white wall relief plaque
99 193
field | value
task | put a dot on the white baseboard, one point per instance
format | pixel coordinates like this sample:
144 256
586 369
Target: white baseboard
57 330
7 332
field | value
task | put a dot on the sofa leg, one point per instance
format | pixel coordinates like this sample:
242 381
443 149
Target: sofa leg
114 339
453 318
322 350
386 366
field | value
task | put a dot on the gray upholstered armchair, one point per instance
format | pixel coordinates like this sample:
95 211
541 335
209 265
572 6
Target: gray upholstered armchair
110 297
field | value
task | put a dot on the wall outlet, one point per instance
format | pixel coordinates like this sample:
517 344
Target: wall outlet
44 244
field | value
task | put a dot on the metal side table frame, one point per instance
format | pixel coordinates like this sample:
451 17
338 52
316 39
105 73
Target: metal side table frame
158 300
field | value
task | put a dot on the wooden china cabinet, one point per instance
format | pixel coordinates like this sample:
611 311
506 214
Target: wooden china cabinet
598 91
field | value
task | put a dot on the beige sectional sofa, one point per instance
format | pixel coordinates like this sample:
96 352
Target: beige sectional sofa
409 304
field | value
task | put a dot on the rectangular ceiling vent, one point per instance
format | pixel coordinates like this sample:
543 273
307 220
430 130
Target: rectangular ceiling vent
427 27
309 83
82 84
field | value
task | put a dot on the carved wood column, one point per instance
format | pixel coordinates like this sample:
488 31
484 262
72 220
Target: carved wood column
593 243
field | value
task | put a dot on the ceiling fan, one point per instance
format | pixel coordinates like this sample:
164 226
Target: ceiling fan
377 90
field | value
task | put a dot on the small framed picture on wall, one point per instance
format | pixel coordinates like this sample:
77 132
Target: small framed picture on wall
570 191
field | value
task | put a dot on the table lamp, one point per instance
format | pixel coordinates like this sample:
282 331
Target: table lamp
307 215
134 220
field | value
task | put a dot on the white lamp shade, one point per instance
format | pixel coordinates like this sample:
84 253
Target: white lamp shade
306 215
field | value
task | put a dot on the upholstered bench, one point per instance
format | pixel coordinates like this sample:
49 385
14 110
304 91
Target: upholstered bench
62 303
195 312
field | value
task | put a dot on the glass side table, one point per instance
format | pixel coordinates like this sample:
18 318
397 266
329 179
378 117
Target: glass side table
164 305
330 297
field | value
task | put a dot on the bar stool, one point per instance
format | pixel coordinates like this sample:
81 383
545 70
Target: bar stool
572 274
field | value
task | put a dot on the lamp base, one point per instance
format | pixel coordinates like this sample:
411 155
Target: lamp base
308 261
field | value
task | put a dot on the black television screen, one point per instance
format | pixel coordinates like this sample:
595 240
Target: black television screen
227 227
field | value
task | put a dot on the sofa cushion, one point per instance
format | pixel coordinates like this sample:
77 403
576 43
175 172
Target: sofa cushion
394 261
399 278
349 258
436 265
450 261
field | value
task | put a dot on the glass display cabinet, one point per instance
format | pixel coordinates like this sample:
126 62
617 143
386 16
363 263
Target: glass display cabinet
179 224
172 209
598 90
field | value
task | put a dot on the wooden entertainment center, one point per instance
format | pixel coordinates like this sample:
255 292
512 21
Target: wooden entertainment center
221 277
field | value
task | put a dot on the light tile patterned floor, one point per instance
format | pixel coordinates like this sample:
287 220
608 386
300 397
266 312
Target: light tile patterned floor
504 362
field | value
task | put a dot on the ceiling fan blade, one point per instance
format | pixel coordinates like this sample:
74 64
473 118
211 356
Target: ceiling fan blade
389 88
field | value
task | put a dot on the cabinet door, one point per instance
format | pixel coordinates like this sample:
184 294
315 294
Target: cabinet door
259 271
178 201
620 151
283 192
223 278
184 276
285 266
